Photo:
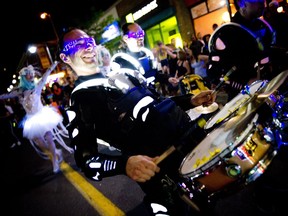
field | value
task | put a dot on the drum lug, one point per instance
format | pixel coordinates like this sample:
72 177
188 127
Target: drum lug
268 135
246 90
233 170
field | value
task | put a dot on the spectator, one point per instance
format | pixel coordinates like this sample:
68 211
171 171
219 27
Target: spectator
196 45
162 56
214 26
199 64
67 90
6 126
59 98
205 49
104 60
183 68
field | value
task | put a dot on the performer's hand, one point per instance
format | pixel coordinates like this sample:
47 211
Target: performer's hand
141 168
205 98
173 81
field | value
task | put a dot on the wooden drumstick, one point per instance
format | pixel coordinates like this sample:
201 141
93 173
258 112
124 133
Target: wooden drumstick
200 124
165 154
225 78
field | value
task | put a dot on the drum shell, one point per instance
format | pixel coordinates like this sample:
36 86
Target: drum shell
255 149
235 161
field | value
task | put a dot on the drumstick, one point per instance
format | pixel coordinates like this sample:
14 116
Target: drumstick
200 124
225 78
165 154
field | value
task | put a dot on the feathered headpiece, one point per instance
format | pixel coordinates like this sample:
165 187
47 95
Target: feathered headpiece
27 70
24 83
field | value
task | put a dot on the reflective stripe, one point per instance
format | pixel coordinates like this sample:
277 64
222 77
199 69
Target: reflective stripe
142 103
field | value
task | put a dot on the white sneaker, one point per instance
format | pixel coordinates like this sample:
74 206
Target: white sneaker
56 168
59 156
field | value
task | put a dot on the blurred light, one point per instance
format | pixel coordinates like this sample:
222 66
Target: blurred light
32 49
222 3
54 78
226 17
129 18
13 81
280 9
44 15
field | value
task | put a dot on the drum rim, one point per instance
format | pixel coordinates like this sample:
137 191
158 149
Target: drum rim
232 103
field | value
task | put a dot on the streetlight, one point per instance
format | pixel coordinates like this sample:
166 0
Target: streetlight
46 15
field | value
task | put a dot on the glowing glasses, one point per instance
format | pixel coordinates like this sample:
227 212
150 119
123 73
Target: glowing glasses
75 45
136 35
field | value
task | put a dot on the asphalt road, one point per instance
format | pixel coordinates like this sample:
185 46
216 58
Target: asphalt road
31 188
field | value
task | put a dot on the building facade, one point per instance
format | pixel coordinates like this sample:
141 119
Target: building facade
163 20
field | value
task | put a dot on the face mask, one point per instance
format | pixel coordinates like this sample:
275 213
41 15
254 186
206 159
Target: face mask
81 43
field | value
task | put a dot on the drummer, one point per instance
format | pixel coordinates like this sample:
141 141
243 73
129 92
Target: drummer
122 111
244 43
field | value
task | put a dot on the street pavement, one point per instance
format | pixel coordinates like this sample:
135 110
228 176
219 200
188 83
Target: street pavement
31 188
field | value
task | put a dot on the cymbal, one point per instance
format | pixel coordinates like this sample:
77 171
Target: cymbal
256 100
273 85
253 103
236 125
241 116
208 109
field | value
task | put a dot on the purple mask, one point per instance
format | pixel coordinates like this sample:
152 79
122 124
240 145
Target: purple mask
136 35
81 43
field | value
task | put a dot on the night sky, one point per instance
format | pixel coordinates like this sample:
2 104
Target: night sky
21 25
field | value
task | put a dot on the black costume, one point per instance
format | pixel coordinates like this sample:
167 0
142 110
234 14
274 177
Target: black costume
99 108
142 61
246 44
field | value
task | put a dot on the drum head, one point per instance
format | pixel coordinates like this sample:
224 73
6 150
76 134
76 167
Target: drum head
234 104
217 144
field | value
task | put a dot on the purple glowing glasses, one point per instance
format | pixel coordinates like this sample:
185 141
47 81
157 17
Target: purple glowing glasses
75 45
136 35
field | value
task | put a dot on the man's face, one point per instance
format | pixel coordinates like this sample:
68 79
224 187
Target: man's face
135 38
254 8
80 52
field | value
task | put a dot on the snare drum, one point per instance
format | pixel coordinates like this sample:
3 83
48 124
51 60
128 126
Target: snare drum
233 105
227 156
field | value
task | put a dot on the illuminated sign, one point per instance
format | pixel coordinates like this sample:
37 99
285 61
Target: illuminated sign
145 10
110 32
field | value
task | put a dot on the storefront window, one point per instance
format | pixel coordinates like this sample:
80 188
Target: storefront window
204 24
163 31
218 13
213 5
199 10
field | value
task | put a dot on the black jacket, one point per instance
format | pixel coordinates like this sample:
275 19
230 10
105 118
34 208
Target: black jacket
99 111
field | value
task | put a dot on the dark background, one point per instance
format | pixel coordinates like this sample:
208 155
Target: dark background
21 25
